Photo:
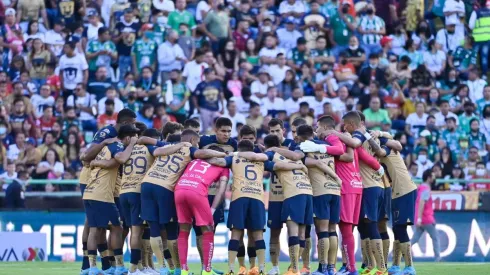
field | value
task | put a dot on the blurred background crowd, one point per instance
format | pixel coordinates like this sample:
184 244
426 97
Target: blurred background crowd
415 68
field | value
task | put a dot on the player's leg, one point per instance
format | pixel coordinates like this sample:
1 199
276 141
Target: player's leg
183 243
258 236
237 216
94 233
305 255
208 248
368 260
275 224
255 223
85 261
332 234
166 250
116 234
405 247
172 230
385 238
321 227
404 206
397 255
147 253
241 256
293 243
233 246
251 253
136 247
103 248
348 246
198 232
349 215
432 231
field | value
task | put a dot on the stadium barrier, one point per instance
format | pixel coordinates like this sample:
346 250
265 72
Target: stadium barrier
464 237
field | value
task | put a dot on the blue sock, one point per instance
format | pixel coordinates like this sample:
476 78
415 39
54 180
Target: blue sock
85 261
106 263
135 256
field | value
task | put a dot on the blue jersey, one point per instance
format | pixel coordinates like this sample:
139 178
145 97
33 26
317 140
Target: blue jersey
104 133
206 141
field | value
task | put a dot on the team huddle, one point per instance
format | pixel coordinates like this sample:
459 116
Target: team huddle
161 185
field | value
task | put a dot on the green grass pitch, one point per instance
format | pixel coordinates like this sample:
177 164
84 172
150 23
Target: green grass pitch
59 268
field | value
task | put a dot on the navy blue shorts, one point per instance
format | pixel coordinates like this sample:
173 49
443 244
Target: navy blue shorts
298 209
386 209
372 203
101 214
246 213
82 188
121 217
327 207
131 208
403 209
219 214
157 204
274 220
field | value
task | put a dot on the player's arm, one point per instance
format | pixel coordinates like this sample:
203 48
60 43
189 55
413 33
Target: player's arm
104 164
287 166
221 162
370 161
223 181
207 154
311 162
171 149
352 142
123 156
94 149
386 138
348 156
147 141
252 156
292 155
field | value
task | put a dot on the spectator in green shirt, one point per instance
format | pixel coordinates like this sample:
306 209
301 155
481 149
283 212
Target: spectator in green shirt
484 101
181 15
343 25
101 52
375 116
468 115
216 26
464 57
144 51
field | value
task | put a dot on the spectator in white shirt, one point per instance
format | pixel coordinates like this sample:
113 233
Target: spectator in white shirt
444 114
170 55
448 39
268 54
435 60
423 162
271 103
43 98
8 175
111 94
278 71
417 121
54 39
243 102
292 104
259 87
288 35
194 70
295 8
454 10
475 85
85 106
316 102
234 116
339 102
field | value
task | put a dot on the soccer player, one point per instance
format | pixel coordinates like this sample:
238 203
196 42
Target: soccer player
403 202
191 201
157 197
297 208
134 169
247 209
99 198
103 137
192 124
274 222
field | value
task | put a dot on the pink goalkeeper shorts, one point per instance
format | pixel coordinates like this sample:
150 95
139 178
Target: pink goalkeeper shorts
192 206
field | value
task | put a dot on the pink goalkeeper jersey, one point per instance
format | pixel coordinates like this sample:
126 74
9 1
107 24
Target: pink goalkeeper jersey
350 174
199 175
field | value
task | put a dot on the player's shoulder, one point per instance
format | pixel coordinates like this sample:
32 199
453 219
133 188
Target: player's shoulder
319 141
115 147
105 132
287 142
206 139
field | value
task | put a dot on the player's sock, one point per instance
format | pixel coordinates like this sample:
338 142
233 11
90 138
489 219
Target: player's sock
302 244
385 238
168 257
366 260
397 253
348 245
145 242
323 246
112 259
85 261
157 247
333 249
376 246
135 259
92 258
293 243
260 250
199 248
207 249
405 246
252 255
104 256
241 254
183 242
305 256
274 251
118 255
232 253
172 235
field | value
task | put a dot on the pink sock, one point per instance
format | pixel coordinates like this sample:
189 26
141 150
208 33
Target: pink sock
348 245
183 243
207 249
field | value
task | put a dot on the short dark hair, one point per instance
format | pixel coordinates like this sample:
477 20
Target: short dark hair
140 126
327 121
194 123
299 121
304 131
151 132
127 131
362 116
170 128
245 146
109 101
275 122
254 104
431 116
352 116
189 132
247 130
223 121
443 101
125 115
271 141
427 173
174 138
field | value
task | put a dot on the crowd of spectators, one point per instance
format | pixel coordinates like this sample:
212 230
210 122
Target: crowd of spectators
413 67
